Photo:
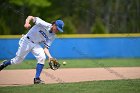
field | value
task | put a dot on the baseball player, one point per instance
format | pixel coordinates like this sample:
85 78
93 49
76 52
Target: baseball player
41 32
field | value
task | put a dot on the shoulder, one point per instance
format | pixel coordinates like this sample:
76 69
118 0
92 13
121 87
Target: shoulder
38 20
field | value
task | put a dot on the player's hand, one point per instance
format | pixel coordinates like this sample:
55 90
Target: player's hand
27 25
50 58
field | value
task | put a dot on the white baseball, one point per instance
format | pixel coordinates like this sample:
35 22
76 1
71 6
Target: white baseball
64 63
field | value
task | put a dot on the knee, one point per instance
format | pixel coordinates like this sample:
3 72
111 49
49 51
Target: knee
42 59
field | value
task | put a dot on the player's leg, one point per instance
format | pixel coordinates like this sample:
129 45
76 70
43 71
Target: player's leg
38 52
23 50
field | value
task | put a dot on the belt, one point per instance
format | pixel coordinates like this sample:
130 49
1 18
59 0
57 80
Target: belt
30 39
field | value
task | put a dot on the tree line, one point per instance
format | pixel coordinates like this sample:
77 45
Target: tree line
80 16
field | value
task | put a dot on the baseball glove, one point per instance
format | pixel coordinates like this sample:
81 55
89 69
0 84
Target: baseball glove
54 64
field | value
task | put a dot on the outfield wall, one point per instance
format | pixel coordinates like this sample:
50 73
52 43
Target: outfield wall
84 46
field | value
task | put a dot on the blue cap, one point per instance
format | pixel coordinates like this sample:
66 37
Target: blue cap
60 25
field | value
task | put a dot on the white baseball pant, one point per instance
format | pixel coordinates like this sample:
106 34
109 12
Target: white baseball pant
26 46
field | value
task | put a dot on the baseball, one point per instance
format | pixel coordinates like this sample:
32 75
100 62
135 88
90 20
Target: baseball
64 63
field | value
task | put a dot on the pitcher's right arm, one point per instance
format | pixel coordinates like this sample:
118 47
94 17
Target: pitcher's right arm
27 22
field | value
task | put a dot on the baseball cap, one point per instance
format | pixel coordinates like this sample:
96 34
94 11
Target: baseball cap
60 25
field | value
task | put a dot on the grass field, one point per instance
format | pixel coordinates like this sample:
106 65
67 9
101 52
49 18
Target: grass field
84 63
112 86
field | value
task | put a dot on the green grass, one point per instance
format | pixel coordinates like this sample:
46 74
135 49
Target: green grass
112 86
83 63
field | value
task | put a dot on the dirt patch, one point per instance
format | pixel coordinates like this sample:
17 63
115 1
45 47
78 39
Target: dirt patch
25 77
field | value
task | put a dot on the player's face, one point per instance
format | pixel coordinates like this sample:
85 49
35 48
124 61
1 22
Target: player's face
54 28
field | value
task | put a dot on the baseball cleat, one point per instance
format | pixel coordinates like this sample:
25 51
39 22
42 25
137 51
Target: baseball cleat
38 81
2 66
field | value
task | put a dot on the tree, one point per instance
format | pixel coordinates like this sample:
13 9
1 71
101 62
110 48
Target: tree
116 16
